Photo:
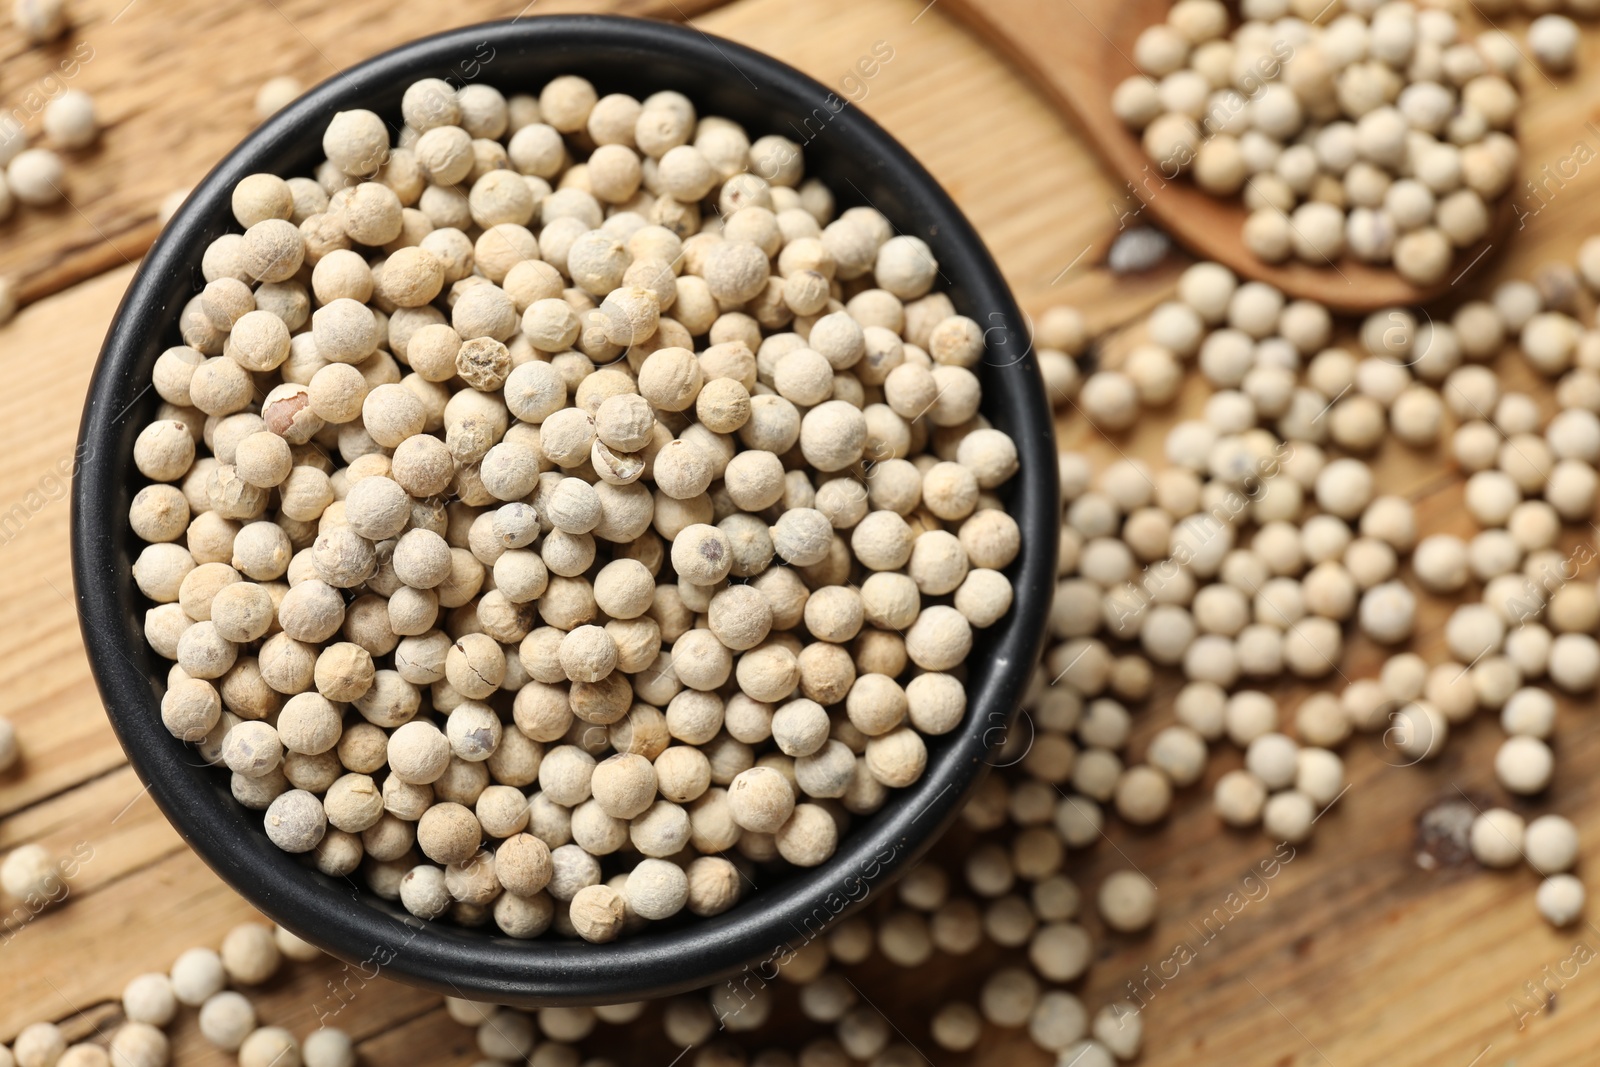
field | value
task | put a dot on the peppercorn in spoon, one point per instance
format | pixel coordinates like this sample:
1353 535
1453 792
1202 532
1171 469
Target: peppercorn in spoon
1347 156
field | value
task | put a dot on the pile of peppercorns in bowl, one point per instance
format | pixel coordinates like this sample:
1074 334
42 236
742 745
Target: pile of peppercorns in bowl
559 517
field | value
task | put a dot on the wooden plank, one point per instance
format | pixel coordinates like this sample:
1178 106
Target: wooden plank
45 687
167 123
1352 954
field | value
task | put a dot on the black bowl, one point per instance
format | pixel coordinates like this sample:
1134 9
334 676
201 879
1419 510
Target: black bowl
862 164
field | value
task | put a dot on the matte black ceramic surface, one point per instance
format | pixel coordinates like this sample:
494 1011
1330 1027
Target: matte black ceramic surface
862 164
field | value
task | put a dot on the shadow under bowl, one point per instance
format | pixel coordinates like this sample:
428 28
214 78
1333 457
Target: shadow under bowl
862 165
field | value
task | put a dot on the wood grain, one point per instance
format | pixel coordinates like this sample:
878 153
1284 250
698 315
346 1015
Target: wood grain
1353 954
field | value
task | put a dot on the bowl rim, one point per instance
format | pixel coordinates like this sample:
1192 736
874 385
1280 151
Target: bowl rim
756 937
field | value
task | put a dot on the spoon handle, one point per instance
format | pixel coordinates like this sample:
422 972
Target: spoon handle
1074 50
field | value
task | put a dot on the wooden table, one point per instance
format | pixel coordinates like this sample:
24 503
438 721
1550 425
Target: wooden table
1364 949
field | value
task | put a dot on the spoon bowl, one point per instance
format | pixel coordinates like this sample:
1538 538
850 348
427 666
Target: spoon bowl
1078 51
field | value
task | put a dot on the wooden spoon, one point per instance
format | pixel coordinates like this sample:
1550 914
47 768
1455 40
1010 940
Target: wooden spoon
1077 51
